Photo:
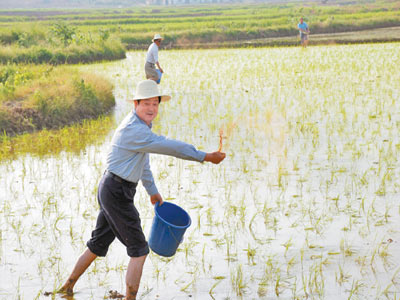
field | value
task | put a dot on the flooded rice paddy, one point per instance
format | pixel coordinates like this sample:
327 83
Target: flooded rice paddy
305 206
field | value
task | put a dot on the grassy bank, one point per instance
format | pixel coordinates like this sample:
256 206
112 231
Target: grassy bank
56 43
37 97
72 54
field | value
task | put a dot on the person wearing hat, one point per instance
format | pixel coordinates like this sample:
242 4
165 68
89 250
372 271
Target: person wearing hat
152 60
127 164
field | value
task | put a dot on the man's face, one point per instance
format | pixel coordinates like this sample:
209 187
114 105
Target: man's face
301 20
147 109
158 42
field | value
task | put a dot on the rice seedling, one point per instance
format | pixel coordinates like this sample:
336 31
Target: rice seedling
238 281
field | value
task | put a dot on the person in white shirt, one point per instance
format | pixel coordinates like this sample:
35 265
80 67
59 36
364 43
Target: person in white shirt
152 60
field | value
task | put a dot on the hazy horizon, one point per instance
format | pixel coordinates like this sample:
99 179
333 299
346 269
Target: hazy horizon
59 4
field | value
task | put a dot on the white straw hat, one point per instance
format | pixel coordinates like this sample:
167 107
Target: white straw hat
148 89
157 37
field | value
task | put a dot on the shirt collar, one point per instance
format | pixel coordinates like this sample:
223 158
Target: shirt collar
141 121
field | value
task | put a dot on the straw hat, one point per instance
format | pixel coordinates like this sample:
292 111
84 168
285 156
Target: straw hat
157 37
148 89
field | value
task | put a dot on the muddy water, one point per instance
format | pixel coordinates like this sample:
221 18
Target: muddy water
303 206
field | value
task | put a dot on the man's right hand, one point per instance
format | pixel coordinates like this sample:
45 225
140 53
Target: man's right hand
156 198
215 157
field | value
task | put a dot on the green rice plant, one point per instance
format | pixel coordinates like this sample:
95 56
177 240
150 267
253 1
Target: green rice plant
238 281
287 245
345 248
342 277
251 253
355 286
218 281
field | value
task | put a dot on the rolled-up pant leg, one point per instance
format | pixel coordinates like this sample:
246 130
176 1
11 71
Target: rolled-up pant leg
118 217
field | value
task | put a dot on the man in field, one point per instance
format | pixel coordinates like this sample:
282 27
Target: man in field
304 32
127 163
152 60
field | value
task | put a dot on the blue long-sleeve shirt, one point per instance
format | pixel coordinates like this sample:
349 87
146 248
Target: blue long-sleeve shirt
302 26
130 147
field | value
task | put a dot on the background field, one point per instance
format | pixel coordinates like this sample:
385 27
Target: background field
305 206
198 26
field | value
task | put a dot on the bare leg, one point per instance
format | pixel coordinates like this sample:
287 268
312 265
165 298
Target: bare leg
133 276
81 265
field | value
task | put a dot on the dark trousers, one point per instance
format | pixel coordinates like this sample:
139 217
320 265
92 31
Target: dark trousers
118 217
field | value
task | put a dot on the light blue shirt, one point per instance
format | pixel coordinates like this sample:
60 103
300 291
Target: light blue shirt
130 147
303 26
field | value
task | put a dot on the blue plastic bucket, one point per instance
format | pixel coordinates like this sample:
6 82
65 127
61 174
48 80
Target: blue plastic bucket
169 225
159 76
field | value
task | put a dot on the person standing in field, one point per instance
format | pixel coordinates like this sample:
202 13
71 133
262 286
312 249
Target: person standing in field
127 164
152 60
304 32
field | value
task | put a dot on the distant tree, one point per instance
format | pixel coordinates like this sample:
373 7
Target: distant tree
64 32
104 34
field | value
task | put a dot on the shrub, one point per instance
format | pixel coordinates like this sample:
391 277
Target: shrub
64 32
42 56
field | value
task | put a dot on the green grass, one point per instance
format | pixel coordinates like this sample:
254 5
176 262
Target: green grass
72 54
38 97
56 43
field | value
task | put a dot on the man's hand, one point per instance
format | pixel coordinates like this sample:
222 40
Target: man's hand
161 70
156 198
215 157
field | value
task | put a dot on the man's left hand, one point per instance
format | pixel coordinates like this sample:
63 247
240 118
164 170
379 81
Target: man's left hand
156 198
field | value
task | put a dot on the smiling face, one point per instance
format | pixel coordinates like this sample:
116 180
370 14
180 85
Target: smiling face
147 109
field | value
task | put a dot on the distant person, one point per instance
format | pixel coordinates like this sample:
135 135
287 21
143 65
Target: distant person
152 60
127 164
304 32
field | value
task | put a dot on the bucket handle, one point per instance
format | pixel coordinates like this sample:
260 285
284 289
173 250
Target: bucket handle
176 240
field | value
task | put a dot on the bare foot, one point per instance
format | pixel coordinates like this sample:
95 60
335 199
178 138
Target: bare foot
115 295
67 293
131 296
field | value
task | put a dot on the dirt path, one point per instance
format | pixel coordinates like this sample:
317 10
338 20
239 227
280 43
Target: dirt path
379 35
